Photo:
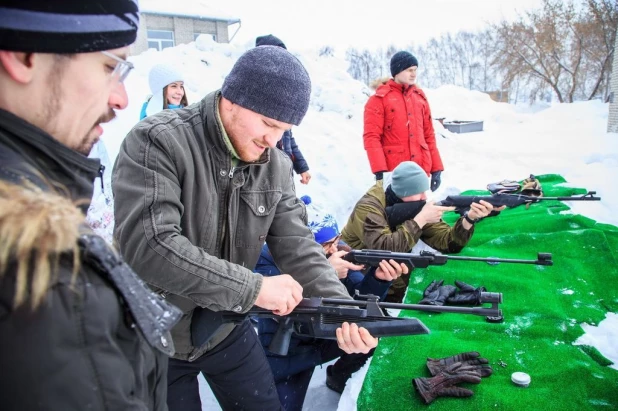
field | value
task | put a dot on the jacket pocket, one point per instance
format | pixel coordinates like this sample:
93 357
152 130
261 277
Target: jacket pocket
425 160
389 119
255 215
394 156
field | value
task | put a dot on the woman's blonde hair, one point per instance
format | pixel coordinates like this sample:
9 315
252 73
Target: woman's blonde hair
36 228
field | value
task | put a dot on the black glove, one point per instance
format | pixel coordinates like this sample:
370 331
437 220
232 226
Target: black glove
466 295
437 365
379 175
435 180
436 293
445 383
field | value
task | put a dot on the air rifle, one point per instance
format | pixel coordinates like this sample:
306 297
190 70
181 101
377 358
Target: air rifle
401 212
462 203
319 317
427 258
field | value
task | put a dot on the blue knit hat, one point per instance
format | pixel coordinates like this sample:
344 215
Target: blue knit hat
409 179
323 225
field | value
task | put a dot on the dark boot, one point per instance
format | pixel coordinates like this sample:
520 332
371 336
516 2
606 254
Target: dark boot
338 374
335 382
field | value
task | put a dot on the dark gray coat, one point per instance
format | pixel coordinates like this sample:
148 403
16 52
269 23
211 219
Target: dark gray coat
193 226
91 344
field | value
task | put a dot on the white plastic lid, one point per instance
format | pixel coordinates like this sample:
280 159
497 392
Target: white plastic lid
521 379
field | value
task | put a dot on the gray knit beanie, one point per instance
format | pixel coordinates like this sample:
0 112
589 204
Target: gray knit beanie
409 179
270 81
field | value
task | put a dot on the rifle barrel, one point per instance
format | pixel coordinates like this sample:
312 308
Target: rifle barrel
484 311
589 196
543 259
486 297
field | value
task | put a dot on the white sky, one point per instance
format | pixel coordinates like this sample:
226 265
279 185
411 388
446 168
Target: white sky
365 24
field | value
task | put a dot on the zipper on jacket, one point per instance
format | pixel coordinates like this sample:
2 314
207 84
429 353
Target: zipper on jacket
224 228
101 170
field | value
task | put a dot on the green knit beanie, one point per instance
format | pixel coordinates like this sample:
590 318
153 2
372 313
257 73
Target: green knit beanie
409 179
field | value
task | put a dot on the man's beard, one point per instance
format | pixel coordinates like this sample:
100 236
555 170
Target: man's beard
53 105
89 141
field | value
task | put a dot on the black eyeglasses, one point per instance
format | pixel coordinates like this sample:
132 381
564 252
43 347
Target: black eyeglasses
122 69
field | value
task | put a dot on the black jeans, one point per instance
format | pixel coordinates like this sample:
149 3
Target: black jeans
293 372
236 370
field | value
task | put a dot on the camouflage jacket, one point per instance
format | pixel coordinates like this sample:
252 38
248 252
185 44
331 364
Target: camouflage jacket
367 228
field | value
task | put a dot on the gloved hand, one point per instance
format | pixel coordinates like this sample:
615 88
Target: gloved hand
445 383
436 293
481 365
379 175
466 295
435 180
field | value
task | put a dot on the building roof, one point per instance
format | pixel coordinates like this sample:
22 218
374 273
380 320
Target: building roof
196 9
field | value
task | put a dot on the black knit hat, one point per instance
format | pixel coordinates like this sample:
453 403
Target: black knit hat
67 26
270 81
269 40
401 61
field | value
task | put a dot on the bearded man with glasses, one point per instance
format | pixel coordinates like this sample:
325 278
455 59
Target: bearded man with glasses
79 329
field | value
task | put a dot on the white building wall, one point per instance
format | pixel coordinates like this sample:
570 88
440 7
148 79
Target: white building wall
183 28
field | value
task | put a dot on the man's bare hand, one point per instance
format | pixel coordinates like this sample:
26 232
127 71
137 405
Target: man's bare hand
353 339
431 213
391 270
305 177
280 293
482 209
342 266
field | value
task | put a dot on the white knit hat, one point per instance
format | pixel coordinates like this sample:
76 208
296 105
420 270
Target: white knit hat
160 76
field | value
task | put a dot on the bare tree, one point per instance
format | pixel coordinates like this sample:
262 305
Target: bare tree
364 65
327 51
563 46
600 30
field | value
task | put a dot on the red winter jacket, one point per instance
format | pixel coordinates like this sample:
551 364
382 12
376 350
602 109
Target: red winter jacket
398 128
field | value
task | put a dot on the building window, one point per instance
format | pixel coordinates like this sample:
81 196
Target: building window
160 39
196 35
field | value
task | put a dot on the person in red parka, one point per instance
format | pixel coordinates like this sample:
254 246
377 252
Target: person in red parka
398 123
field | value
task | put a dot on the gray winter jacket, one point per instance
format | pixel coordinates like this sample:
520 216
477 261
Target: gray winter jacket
193 226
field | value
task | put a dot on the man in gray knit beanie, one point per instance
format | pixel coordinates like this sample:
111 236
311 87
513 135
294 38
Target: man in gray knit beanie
207 187
396 217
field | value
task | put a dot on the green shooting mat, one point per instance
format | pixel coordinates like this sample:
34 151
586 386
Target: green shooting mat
543 308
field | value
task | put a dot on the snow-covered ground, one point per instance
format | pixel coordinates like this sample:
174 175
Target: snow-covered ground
567 139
